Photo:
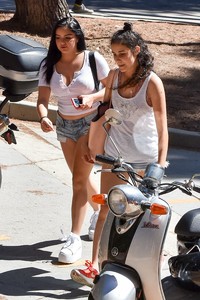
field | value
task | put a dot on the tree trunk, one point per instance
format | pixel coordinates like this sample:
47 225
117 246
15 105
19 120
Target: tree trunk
39 16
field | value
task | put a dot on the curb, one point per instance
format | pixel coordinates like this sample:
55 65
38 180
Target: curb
184 139
25 110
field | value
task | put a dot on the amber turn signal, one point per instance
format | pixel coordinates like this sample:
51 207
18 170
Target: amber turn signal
158 209
99 198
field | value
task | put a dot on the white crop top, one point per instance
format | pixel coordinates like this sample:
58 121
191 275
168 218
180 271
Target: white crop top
136 138
82 84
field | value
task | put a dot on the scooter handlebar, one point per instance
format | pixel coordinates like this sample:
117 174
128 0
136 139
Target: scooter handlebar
196 188
106 159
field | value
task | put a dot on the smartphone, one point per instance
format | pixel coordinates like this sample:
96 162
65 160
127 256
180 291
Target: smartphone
76 102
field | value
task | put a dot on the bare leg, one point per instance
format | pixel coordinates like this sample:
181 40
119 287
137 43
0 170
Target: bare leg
97 234
93 188
107 181
80 173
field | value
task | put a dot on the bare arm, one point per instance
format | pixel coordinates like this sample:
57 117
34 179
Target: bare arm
109 85
156 99
42 108
88 100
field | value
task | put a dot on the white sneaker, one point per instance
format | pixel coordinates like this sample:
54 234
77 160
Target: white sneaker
93 221
72 250
81 9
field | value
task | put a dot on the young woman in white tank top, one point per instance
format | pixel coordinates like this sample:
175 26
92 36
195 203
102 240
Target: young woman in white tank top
142 138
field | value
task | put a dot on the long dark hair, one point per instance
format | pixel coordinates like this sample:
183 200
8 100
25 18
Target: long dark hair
54 54
131 39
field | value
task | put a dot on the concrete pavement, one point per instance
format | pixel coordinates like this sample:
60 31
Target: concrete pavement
35 205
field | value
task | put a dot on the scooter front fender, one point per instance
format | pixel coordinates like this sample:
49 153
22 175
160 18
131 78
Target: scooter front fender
116 282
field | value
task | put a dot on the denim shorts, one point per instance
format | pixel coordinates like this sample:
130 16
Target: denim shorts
72 129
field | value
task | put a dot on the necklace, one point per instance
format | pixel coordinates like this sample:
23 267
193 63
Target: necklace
127 91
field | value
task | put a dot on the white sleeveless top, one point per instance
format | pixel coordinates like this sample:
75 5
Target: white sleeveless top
136 138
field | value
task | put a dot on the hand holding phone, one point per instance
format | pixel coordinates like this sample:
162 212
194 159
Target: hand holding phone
76 102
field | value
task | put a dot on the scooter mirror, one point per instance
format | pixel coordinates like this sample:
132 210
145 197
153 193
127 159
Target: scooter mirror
113 116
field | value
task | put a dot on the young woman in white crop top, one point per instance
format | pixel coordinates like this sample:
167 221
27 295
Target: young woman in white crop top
142 138
66 74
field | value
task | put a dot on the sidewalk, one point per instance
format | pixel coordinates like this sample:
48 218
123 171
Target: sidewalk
35 206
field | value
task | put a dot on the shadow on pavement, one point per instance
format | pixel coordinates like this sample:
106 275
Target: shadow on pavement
29 282
28 252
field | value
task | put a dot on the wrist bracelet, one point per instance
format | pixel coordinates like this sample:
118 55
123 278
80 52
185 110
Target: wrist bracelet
43 118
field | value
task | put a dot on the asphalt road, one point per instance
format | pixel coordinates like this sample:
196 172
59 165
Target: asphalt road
162 10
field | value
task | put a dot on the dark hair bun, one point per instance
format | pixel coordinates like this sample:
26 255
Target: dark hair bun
127 26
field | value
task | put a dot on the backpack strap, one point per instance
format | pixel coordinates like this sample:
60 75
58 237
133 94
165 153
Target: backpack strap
109 85
94 69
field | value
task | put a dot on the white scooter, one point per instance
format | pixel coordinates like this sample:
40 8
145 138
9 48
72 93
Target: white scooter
134 233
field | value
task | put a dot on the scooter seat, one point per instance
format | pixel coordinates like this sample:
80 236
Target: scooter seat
189 224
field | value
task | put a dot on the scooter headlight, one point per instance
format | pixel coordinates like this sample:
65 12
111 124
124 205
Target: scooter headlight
126 201
117 202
